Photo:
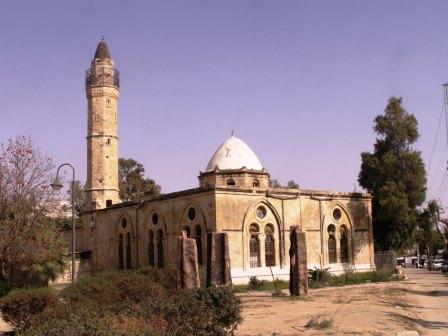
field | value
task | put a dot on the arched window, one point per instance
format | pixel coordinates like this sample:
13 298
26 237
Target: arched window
230 182
151 248
344 244
199 245
120 252
256 183
128 251
331 244
254 246
187 230
160 259
269 245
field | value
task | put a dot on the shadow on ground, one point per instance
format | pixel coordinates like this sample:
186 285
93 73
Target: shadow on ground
426 293
420 322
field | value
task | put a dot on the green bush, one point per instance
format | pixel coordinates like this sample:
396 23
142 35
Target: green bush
226 306
4 288
136 304
75 323
99 290
210 311
167 277
319 277
21 306
255 283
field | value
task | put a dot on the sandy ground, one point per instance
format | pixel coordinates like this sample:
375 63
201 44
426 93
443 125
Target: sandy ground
4 327
419 303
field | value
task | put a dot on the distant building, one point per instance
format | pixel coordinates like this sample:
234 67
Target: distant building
233 196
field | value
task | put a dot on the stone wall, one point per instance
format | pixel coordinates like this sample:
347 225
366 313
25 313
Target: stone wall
237 212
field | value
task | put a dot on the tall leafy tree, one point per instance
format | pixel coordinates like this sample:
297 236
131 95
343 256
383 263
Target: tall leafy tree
395 176
428 238
133 185
31 248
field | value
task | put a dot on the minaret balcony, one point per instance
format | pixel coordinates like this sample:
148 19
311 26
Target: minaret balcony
103 79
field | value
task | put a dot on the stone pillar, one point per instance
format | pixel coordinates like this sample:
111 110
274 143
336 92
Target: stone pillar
187 263
298 273
218 260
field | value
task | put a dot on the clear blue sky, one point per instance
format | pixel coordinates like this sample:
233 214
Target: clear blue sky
299 81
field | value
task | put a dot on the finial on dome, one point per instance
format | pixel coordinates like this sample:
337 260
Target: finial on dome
232 132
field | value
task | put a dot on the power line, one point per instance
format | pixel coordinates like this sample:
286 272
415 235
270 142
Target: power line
440 164
437 135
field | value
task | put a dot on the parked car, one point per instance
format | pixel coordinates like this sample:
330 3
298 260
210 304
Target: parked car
438 264
445 266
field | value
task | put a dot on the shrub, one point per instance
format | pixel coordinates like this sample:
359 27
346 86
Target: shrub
4 288
74 323
319 323
165 277
255 283
319 277
20 307
99 290
132 304
226 306
210 311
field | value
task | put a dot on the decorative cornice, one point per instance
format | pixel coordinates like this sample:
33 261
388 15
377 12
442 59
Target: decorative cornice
95 91
101 136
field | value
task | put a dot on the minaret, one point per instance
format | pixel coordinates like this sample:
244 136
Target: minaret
102 90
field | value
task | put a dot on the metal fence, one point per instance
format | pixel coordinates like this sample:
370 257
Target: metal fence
385 260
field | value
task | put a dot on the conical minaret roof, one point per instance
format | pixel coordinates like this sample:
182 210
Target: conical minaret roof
102 51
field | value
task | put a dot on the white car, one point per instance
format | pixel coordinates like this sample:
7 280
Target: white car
438 264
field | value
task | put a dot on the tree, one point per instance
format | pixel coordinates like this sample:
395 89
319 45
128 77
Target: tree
133 185
395 176
31 249
428 237
292 185
442 229
274 183
80 198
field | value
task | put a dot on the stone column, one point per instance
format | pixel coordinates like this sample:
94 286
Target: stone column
218 260
187 263
298 273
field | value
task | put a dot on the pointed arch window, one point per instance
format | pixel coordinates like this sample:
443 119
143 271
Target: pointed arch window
269 245
187 230
160 249
128 251
199 244
230 182
151 260
254 246
332 244
344 244
120 252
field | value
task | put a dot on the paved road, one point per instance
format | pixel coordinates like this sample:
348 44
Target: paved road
429 292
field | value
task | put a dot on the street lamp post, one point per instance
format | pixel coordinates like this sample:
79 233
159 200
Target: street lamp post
57 185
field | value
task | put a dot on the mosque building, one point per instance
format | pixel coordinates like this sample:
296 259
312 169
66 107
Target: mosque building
233 196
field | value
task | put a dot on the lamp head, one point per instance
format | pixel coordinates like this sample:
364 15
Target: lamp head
56 185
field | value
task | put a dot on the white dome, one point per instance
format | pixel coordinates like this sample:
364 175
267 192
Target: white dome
234 154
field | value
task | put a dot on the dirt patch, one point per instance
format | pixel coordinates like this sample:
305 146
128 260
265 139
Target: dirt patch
4 327
373 309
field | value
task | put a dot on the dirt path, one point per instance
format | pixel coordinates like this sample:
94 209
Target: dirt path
429 291
4 327
420 303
